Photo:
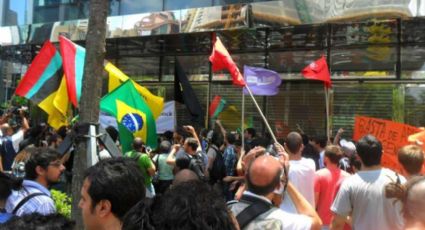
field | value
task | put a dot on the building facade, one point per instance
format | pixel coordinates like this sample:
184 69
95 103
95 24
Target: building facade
375 50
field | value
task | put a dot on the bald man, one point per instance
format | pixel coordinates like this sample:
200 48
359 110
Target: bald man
263 178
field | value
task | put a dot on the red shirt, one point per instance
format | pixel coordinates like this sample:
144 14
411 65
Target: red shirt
327 183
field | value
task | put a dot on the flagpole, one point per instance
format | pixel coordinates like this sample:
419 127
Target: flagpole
243 121
327 111
261 113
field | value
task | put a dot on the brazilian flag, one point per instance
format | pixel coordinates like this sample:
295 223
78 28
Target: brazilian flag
133 115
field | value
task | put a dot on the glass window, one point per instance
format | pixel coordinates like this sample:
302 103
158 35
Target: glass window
372 32
136 6
291 63
14 13
196 68
276 13
300 104
52 10
375 61
185 4
368 99
414 105
140 68
305 36
243 40
411 30
413 62
187 43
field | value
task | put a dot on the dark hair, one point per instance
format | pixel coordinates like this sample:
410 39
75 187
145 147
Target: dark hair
216 138
411 157
333 153
264 189
138 217
251 131
62 132
164 147
294 142
369 150
168 135
36 221
7 184
119 181
182 207
260 141
238 143
52 138
321 140
113 133
40 157
192 143
231 138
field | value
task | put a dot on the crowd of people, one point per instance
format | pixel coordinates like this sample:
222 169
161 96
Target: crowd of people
212 179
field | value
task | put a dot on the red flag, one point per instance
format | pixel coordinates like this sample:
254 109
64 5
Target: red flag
318 70
220 59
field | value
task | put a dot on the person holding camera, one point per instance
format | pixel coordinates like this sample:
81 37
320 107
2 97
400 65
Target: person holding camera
9 140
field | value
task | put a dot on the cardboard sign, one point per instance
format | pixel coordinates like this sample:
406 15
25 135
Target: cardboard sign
392 135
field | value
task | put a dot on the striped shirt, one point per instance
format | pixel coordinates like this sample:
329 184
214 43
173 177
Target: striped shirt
42 204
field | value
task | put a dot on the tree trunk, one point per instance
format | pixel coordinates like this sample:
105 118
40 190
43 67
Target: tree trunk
90 96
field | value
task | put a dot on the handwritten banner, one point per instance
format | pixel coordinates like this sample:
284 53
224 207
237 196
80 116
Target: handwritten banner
392 135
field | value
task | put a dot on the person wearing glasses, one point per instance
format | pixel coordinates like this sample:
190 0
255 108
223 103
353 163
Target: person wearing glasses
42 169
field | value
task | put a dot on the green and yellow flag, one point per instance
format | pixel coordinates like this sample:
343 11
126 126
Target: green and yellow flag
134 117
116 77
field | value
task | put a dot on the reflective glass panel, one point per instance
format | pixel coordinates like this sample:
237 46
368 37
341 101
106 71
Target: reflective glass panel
196 68
185 4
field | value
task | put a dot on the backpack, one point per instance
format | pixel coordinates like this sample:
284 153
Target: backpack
197 165
218 169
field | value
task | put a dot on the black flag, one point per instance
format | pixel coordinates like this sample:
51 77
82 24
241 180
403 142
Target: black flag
184 94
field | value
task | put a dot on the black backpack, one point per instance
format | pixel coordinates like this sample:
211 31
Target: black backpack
197 165
218 169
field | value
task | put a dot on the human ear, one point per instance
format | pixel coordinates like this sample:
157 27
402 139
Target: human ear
104 208
40 170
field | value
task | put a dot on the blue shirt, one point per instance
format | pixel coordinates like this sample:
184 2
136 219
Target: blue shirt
42 204
229 158
4 217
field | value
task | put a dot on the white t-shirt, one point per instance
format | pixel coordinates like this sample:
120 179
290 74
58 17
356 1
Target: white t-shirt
363 195
301 175
17 138
274 218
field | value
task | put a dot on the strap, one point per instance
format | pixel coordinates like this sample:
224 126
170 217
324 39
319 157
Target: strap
256 208
25 200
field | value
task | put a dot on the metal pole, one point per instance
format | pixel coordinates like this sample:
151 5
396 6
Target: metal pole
327 112
261 113
243 121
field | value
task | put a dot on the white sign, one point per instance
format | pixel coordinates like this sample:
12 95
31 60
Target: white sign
167 120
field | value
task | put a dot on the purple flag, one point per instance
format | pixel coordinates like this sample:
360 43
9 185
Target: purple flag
261 81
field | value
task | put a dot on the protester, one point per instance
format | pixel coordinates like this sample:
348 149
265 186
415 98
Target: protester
319 144
43 168
249 136
301 173
411 158
191 205
9 141
411 195
349 162
164 171
361 196
184 175
327 182
146 166
216 167
36 221
110 189
309 151
7 184
255 209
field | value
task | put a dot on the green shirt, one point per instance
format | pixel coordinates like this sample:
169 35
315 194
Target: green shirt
144 163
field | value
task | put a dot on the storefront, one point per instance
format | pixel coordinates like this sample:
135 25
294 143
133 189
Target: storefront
377 65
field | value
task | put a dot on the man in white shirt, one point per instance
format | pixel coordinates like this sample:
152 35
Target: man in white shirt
301 172
362 196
